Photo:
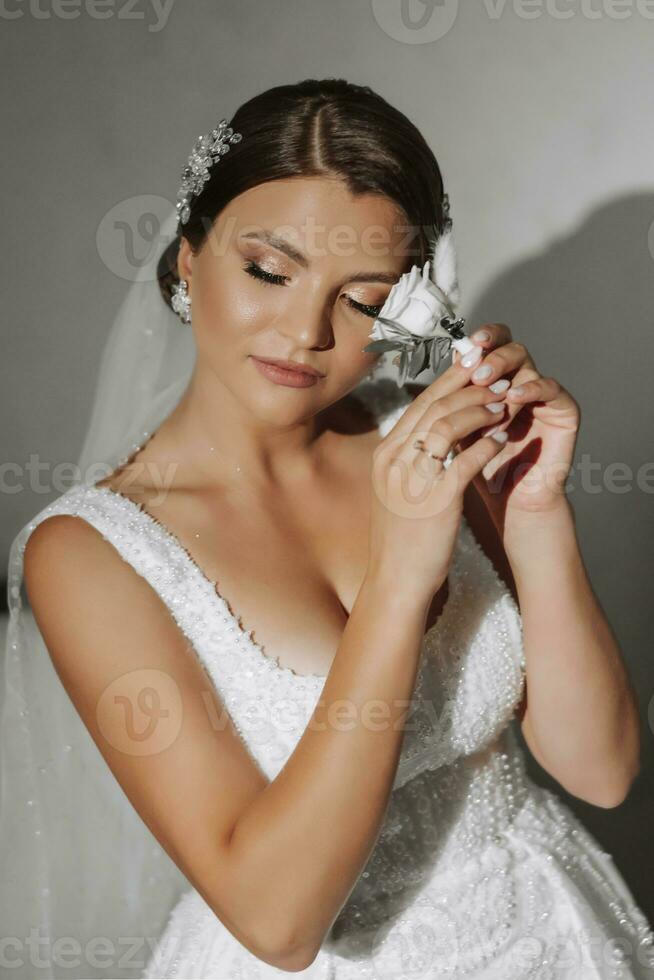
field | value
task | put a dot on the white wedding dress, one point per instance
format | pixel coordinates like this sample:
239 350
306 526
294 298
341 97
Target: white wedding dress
477 871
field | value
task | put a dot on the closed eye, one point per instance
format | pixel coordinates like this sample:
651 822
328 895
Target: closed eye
371 311
272 279
268 278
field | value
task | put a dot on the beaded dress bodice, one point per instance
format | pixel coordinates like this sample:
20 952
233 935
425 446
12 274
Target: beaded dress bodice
476 871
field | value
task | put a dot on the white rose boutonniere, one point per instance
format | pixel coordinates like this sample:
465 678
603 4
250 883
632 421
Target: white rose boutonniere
419 318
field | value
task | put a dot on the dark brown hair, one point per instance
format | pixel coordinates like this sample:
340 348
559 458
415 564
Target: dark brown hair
320 127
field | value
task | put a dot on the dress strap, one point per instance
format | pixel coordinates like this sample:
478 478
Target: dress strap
109 515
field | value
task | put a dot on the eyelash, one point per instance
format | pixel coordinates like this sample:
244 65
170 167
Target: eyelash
271 279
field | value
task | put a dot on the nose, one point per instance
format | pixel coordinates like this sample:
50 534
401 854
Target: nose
307 321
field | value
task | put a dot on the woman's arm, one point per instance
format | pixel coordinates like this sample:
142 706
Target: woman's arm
580 718
304 841
276 860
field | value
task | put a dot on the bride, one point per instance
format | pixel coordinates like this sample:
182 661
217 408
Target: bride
298 618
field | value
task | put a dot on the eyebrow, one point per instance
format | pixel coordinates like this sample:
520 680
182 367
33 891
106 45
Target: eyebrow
293 253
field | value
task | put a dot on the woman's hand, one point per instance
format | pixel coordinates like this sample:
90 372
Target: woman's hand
526 480
417 502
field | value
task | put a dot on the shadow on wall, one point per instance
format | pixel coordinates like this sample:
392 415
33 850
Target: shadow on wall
584 307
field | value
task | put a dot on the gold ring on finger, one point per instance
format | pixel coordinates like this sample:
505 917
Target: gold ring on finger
420 444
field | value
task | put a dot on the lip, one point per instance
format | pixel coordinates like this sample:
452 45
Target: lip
291 366
279 373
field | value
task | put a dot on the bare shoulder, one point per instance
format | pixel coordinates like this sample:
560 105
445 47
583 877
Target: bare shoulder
66 550
75 580
59 543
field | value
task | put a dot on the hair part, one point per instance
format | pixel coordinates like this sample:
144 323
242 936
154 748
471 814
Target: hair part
320 128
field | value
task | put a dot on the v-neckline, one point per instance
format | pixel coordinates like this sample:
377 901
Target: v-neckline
229 614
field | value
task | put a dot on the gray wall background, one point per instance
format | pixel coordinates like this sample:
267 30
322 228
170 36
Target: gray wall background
540 116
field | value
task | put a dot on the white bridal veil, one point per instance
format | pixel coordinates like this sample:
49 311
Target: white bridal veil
85 888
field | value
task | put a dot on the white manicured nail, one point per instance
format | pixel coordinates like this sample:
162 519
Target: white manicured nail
472 357
499 386
496 407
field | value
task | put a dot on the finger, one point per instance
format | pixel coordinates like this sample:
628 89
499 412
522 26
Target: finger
497 335
544 391
438 433
488 336
501 362
455 378
459 400
538 389
469 462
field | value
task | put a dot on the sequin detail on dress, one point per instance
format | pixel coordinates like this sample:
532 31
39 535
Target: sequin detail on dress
477 872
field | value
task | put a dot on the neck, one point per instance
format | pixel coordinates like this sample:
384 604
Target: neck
216 438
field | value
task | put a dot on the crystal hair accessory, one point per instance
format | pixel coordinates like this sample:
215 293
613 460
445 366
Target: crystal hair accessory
208 149
181 301
419 316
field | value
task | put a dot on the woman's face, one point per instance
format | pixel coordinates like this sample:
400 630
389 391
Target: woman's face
294 270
